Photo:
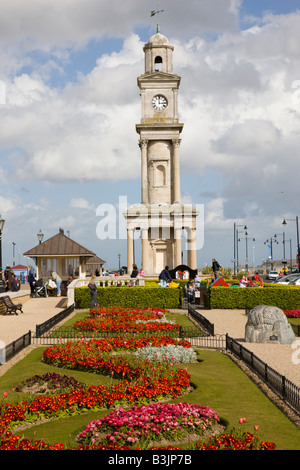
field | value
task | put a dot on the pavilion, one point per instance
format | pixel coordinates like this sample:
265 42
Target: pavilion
65 256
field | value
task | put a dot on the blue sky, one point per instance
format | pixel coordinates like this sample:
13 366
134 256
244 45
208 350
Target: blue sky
67 137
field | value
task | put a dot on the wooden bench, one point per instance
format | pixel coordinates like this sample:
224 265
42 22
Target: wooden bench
7 307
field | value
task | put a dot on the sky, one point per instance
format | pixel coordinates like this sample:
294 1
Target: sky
69 104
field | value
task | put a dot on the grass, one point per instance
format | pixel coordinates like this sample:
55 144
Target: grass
218 382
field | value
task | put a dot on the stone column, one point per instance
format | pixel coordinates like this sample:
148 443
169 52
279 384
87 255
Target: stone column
177 247
144 176
145 256
130 250
191 251
176 171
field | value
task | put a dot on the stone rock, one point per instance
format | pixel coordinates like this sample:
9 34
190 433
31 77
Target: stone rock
268 324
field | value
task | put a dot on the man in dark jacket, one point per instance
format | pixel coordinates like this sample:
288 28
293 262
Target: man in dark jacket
164 276
215 268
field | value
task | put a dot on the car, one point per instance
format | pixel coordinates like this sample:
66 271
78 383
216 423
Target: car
286 279
272 275
295 282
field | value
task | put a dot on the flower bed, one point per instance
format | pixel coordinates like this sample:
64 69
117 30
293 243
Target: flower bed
141 425
292 313
126 320
133 381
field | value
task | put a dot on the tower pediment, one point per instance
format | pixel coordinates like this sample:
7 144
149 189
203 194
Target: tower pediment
159 78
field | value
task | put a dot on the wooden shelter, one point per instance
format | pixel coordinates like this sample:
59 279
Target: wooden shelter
61 254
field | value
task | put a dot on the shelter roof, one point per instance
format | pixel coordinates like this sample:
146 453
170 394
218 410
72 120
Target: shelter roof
59 245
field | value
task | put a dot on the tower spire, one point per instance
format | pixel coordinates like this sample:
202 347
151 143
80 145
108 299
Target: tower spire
156 12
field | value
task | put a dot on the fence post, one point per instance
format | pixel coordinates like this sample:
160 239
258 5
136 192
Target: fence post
283 387
266 373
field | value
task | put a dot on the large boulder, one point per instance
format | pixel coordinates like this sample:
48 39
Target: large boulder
267 324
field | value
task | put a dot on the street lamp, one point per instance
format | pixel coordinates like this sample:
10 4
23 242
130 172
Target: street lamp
40 236
13 244
284 261
119 256
270 245
2 282
297 228
235 247
247 260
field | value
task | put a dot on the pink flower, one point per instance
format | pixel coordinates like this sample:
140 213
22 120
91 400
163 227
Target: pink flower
256 427
5 394
242 420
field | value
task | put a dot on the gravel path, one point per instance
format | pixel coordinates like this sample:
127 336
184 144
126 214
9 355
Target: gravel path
284 358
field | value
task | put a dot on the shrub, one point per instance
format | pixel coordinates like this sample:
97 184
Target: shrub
144 297
284 297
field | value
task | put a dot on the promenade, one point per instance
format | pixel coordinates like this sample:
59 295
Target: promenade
35 311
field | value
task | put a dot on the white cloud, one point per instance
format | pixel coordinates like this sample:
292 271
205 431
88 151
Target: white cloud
81 203
239 102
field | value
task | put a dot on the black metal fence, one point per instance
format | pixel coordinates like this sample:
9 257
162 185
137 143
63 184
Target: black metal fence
205 324
65 334
283 387
17 346
48 324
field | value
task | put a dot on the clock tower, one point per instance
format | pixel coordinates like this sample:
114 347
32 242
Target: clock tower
160 216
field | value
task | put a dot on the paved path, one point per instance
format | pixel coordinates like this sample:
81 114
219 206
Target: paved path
284 358
36 311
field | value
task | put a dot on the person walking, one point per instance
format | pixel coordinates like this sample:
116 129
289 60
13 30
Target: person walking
31 279
57 279
190 292
93 291
215 268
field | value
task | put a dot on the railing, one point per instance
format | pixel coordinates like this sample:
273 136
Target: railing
65 334
15 347
10 350
277 382
48 324
201 320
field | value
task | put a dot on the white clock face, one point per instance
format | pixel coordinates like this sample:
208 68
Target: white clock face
159 102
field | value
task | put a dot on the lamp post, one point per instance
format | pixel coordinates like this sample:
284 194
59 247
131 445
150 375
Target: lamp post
2 281
270 242
284 261
297 228
119 256
235 247
40 236
247 260
291 255
13 244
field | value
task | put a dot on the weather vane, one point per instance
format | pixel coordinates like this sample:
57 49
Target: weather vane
156 12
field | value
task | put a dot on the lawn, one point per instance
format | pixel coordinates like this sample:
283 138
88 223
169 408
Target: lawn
218 383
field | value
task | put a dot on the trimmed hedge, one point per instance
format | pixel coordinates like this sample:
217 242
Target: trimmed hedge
284 297
138 296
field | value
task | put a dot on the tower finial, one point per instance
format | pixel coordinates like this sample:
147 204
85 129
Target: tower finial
156 12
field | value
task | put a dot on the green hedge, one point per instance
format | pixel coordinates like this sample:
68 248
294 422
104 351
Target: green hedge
284 297
138 296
